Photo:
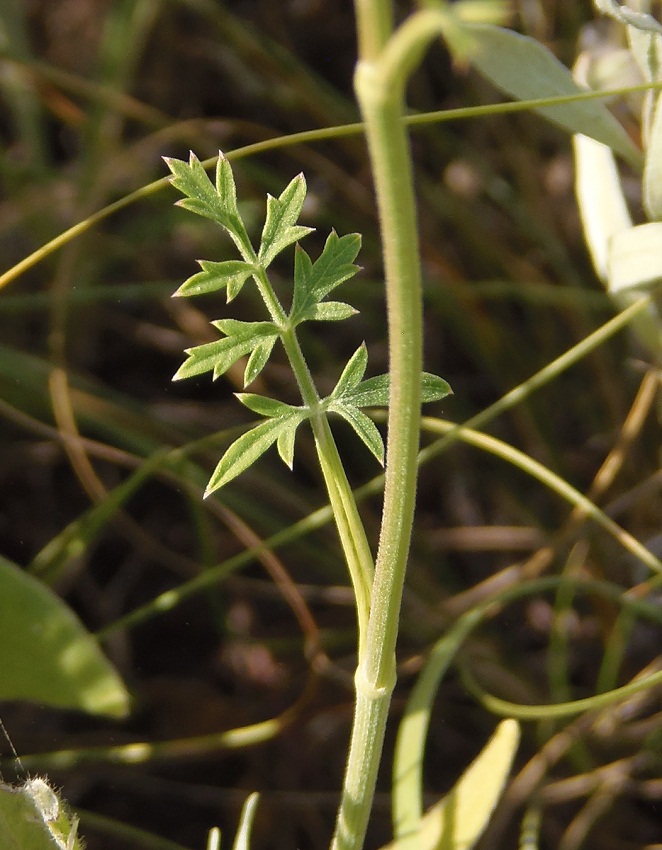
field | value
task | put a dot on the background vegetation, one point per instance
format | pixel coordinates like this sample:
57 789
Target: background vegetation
92 95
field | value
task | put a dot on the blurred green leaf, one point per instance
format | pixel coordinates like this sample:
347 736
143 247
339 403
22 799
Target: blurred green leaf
74 540
525 69
458 820
242 839
46 655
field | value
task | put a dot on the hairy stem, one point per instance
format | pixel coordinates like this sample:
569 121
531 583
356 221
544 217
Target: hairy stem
382 107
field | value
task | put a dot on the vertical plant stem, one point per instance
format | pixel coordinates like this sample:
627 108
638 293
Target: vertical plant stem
350 528
382 107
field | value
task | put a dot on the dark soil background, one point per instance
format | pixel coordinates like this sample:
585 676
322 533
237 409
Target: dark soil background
92 94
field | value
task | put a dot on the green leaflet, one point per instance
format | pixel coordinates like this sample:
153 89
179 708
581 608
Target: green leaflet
327 311
280 230
363 426
218 202
374 392
217 357
352 373
229 274
246 450
314 281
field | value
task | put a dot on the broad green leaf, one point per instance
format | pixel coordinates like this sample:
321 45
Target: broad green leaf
230 274
374 392
280 229
245 451
265 406
352 373
363 425
258 359
525 69
335 265
33 817
46 655
327 311
458 820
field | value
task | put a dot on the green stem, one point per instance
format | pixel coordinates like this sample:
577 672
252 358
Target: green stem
382 107
343 504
